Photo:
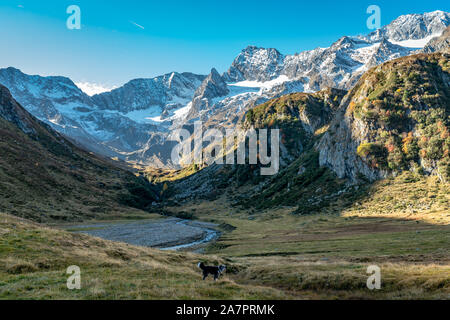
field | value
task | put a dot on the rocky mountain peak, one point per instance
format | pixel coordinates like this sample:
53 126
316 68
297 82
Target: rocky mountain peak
12 112
257 64
173 89
385 51
344 42
214 86
50 85
413 27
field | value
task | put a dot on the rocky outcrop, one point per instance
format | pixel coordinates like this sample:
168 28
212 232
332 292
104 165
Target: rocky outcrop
441 43
212 87
396 118
298 116
338 148
257 64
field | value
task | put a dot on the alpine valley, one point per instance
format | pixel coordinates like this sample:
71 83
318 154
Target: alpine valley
364 177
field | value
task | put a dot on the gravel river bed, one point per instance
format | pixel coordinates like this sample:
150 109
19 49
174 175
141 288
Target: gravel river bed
165 234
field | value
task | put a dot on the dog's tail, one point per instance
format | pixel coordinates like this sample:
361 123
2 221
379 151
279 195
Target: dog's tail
201 265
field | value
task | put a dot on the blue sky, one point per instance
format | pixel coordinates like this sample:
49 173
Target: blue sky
122 40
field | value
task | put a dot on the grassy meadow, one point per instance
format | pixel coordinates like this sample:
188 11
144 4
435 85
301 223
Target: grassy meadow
270 254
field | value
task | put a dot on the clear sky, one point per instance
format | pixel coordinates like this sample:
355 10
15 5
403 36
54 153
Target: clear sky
122 40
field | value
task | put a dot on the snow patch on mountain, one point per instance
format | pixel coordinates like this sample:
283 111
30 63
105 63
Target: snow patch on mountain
416 43
258 84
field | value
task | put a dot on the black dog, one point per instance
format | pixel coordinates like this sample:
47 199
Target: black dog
215 271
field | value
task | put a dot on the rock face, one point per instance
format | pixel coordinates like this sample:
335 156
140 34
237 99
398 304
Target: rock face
256 64
12 112
338 149
441 43
298 115
168 92
396 118
212 87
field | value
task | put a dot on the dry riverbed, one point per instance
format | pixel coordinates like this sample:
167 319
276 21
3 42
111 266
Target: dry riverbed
165 234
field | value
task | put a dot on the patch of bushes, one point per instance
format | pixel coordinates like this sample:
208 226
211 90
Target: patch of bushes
372 153
140 194
22 267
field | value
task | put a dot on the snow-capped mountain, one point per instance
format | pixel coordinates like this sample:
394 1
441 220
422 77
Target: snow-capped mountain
413 29
259 74
133 122
336 65
159 95
257 64
54 100
116 123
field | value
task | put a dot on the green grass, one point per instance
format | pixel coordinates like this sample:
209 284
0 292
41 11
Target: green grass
401 225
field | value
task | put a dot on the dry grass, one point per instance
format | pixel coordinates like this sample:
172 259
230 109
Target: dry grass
33 261
406 197
169 175
339 279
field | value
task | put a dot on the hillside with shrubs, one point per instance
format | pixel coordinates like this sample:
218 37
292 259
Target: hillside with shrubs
395 119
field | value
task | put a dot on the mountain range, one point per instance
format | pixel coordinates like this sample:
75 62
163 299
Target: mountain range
133 122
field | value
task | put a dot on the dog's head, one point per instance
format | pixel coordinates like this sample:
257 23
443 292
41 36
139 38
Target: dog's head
222 268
